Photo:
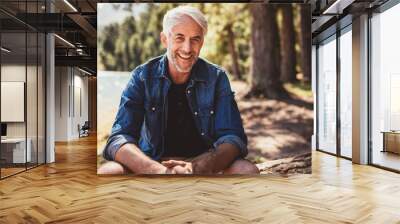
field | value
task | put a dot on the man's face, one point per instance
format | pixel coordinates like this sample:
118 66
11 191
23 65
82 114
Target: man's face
183 44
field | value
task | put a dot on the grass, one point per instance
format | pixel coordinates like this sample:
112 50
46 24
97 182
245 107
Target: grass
299 89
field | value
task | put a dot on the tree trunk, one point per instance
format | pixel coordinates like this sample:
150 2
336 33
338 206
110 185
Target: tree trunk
232 51
265 54
288 38
305 41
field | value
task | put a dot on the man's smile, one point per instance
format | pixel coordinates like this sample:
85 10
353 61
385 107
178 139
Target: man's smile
184 57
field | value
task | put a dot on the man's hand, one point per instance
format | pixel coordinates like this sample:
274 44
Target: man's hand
210 162
138 163
160 169
178 166
202 164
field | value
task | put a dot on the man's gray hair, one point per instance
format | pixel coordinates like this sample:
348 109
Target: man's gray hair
173 17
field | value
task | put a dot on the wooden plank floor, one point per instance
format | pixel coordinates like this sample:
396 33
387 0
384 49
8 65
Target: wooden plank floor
69 191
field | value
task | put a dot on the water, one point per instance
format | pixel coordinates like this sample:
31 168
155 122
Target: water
110 85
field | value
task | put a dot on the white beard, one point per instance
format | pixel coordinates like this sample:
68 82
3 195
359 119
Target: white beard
175 63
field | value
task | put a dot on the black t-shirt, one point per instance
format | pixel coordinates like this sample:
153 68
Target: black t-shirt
181 136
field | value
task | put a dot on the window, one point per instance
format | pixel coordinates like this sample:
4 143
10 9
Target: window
22 77
385 88
326 60
345 42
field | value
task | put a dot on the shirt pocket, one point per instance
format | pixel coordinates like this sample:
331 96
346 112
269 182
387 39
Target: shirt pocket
207 118
153 119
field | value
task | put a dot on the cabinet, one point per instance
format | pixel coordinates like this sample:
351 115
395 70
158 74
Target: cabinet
391 141
13 150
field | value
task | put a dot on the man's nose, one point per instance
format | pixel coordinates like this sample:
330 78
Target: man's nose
186 46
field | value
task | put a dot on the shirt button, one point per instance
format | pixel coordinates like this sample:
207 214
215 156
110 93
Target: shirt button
202 133
153 109
195 113
212 112
188 91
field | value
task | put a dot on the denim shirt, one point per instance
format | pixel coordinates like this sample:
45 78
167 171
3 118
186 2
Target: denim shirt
142 113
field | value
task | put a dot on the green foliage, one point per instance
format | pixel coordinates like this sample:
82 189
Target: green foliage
124 46
220 17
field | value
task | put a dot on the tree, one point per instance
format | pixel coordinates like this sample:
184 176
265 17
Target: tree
232 51
287 36
265 69
124 46
228 36
107 45
305 41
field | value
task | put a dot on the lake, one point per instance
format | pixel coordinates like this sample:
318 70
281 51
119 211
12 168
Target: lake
110 85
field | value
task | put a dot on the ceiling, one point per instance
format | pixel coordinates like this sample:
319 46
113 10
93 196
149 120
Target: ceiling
332 15
74 22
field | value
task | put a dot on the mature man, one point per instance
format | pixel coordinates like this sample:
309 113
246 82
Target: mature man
178 114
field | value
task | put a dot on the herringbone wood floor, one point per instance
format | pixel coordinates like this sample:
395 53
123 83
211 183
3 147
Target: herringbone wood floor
70 192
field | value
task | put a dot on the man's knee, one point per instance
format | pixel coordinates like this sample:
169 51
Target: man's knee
242 166
111 167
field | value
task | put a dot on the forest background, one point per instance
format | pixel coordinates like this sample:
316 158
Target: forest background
266 48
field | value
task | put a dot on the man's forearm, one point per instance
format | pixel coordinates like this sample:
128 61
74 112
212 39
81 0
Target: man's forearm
216 160
135 160
225 153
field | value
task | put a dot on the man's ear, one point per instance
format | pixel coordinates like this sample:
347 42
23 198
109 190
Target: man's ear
163 38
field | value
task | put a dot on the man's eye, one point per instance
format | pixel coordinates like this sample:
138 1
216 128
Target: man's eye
180 39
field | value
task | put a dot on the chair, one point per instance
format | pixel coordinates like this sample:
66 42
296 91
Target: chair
84 130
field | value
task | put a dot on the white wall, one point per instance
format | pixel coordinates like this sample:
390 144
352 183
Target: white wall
61 103
12 73
80 110
33 125
71 93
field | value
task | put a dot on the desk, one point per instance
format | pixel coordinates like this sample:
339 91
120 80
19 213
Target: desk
391 141
13 150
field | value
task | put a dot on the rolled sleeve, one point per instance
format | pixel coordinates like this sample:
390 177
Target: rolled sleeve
234 140
129 118
228 123
115 143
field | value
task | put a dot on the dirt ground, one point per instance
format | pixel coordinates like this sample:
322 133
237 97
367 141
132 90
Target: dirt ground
279 132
